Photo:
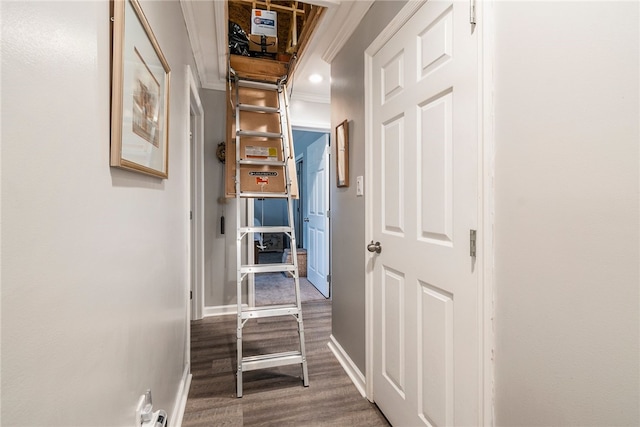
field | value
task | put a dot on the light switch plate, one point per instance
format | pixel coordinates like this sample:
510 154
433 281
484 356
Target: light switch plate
359 186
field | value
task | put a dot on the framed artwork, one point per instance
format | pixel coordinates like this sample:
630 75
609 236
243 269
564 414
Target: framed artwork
342 154
139 94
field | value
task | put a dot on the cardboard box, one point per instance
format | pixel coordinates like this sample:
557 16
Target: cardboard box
254 178
264 44
257 178
264 22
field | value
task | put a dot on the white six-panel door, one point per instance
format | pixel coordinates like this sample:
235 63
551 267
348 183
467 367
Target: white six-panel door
317 182
424 112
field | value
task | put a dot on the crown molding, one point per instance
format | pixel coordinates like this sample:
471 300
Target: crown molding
192 31
310 97
221 19
342 25
222 86
396 23
198 18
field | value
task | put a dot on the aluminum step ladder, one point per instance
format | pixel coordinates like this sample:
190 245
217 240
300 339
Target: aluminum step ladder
267 165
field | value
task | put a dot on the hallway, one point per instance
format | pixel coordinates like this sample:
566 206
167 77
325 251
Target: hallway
99 262
276 396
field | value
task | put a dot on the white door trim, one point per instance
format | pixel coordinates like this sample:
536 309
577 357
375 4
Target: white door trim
486 205
317 261
485 259
318 129
194 104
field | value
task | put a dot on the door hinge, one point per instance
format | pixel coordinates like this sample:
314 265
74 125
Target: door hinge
190 214
328 278
472 243
190 294
328 214
472 13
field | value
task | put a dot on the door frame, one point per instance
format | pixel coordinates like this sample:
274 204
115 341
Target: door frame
486 218
195 250
326 137
251 288
330 170
299 215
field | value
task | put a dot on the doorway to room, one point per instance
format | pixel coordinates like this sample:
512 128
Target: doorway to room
311 223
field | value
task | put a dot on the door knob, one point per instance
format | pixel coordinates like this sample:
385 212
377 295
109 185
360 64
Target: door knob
306 220
374 247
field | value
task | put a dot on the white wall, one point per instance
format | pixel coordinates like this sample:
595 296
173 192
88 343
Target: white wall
348 210
217 291
566 93
94 268
220 249
311 115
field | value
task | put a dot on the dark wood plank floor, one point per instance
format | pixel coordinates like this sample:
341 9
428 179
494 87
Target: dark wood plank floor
272 397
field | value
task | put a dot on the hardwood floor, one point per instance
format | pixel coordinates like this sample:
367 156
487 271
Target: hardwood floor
272 397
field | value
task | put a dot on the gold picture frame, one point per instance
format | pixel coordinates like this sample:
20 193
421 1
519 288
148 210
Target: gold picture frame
342 154
140 83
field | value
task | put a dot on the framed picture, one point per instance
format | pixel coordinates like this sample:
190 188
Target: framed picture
139 94
342 154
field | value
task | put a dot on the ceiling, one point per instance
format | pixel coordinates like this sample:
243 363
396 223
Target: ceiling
206 22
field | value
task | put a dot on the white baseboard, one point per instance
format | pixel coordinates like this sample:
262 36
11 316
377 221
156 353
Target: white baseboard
349 367
221 310
175 420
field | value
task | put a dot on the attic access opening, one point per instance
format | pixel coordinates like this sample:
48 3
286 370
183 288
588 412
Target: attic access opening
296 22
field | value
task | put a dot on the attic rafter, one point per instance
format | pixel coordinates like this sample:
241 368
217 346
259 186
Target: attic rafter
296 21
272 6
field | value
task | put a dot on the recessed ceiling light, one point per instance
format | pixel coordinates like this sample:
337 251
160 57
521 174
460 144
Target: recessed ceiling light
315 78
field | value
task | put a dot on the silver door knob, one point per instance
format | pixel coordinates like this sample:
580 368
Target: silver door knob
374 247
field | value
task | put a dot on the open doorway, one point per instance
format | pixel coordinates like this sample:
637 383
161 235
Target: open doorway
315 207
312 162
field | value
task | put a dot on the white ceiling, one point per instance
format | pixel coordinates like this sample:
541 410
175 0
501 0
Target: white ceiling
207 25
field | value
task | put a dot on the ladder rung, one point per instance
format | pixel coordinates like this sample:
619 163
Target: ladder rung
266 229
258 85
259 134
255 195
266 268
270 311
258 108
271 360
262 162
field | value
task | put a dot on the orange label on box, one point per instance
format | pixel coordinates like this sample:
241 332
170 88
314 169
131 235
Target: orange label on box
262 180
